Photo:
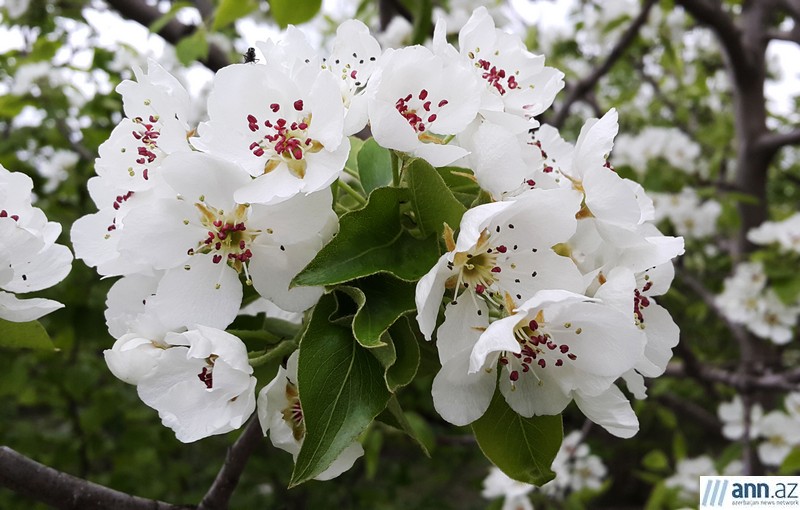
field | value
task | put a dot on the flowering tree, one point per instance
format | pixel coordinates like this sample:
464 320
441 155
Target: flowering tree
413 229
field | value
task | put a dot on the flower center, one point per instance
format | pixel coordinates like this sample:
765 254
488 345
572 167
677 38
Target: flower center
497 77
205 375
293 413
421 111
537 346
477 267
147 135
4 214
228 237
284 141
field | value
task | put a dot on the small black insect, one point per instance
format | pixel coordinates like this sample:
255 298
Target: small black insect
250 56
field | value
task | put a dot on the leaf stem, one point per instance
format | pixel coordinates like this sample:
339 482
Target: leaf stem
352 192
395 169
278 352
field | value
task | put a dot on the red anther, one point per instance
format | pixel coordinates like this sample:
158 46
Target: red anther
308 141
443 102
572 356
512 83
240 226
222 235
140 161
136 135
563 348
408 98
548 169
251 119
502 249
525 368
479 289
559 362
253 127
281 122
514 375
527 359
432 117
242 244
275 107
303 126
496 269
268 123
297 152
217 246
116 205
421 127
216 258
353 74
206 378
144 174
218 223
542 363
423 94
253 145
533 325
551 345
503 361
530 182
111 228
258 152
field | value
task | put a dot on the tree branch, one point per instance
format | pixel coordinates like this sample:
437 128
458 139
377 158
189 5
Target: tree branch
772 142
580 89
220 492
60 490
173 32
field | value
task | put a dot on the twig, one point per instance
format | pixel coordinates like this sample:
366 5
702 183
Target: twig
691 410
581 88
771 142
60 490
220 492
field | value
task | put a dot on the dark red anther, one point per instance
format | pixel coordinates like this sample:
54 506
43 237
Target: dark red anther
502 249
423 94
563 348
479 289
303 126
572 356
144 174
298 105
216 258
496 269
533 325
432 117
530 182
251 119
514 375
559 362
275 107
443 102
542 363
206 377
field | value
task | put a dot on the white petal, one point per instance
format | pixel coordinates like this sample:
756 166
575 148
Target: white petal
461 397
611 410
24 310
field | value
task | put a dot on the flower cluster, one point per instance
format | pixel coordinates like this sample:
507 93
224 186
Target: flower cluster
777 432
550 281
691 217
30 259
747 299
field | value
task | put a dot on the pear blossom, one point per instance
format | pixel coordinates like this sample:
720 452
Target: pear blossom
781 433
281 414
498 485
690 217
687 475
576 469
514 80
204 240
732 416
201 385
559 346
504 248
285 132
417 100
30 260
786 233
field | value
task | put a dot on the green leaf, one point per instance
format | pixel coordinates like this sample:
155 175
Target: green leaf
231 10
374 166
656 460
161 22
410 423
464 188
423 24
791 464
193 47
292 12
341 390
381 299
431 200
524 448
24 335
407 356
372 240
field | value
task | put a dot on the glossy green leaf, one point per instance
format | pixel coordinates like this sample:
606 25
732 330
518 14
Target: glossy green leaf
381 299
524 448
292 12
372 240
24 335
410 423
432 201
407 355
231 10
374 166
341 388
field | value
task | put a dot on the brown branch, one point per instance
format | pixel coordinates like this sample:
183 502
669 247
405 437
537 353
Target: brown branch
691 410
772 142
173 31
220 492
60 490
580 89
743 382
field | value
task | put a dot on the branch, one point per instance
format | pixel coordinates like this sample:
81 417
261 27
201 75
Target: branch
173 32
581 88
771 142
220 492
691 410
60 490
743 382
